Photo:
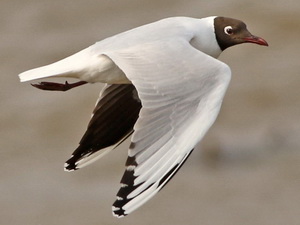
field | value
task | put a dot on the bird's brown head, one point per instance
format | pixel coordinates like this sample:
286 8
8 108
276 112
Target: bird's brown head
230 32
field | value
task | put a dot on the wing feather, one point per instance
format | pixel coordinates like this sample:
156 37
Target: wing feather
181 98
112 122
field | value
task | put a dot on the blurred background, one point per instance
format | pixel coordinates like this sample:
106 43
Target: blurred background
245 171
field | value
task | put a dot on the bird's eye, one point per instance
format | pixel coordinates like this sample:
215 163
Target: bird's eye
228 30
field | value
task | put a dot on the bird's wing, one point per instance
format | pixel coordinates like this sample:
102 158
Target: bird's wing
112 122
181 91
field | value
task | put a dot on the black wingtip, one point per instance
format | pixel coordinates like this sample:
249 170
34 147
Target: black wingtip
117 208
127 186
118 212
70 165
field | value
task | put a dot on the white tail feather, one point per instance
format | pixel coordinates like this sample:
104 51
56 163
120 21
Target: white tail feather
86 65
68 67
42 72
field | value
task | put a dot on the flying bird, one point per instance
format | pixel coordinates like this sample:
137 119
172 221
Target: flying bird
164 88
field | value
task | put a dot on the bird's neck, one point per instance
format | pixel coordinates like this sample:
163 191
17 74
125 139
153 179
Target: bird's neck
205 37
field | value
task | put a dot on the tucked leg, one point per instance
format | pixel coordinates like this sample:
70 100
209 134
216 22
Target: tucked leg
52 86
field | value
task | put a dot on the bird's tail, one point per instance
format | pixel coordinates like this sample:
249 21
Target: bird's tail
68 67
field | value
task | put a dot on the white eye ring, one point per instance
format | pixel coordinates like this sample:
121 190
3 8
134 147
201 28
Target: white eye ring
228 30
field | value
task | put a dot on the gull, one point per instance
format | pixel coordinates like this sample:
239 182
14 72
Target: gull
164 88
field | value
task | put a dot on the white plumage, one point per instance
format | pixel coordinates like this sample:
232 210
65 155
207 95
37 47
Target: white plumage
180 85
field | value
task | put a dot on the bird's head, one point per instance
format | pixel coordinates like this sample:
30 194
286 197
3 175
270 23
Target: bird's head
230 32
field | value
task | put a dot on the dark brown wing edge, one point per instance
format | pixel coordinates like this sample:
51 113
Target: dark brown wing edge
128 186
113 119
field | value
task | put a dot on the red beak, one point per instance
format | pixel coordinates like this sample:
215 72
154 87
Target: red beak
256 40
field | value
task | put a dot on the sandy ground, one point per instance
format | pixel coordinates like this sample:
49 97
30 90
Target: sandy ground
246 170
